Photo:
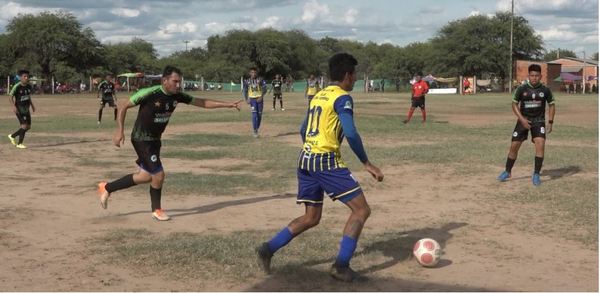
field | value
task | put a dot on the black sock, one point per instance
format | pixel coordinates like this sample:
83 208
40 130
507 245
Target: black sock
125 182
538 164
100 115
115 113
509 164
17 133
22 135
273 103
155 197
281 103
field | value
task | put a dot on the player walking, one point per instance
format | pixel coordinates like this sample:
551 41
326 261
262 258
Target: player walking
20 98
107 89
419 89
529 105
312 87
321 169
254 91
156 103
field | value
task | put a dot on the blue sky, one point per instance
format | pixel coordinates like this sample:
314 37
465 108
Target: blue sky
567 24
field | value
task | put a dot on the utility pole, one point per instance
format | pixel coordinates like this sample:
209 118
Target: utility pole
583 73
510 72
186 42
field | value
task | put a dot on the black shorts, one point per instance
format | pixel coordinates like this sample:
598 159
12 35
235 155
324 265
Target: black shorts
111 103
24 118
148 155
418 102
537 129
277 96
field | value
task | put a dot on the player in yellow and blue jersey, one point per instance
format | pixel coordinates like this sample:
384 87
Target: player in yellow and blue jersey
321 169
254 91
312 87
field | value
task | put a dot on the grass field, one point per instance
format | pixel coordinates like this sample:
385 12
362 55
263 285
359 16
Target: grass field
228 191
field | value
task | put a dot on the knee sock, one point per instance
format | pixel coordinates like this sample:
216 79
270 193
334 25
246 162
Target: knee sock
122 183
281 103
274 102
538 164
155 197
17 133
280 240
100 115
410 113
115 113
255 121
509 164
22 135
347 248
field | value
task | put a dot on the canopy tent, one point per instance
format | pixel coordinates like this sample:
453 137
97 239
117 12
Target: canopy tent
566 76
131 74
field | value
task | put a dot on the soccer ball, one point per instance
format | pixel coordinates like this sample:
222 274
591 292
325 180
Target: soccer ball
428 252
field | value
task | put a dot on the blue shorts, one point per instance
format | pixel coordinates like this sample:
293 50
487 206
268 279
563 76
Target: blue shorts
336 183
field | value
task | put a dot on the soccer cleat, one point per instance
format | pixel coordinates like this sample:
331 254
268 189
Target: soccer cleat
345 274
98 122
503 176
255 134
282 109
405 121
103 194
264 257
21 146
160 215
536 179
273 109
12 140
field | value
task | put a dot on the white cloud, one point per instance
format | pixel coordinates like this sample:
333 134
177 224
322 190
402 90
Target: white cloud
12 9
125 12
474 13
350 16
313 9
270 22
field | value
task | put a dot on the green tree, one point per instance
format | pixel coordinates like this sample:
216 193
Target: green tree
134 56
480 44
49 39
558 53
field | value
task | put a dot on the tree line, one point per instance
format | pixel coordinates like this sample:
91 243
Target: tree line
56 44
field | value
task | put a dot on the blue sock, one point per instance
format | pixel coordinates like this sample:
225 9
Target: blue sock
347 247
255 121
280 240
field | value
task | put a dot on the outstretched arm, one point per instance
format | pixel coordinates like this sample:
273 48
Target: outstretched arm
212 104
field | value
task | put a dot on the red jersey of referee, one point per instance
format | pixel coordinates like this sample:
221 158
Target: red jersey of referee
419 89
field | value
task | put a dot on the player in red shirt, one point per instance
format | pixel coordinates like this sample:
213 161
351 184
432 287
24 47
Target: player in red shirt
419 89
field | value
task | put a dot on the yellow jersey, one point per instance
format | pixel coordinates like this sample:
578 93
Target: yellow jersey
312 87
323 136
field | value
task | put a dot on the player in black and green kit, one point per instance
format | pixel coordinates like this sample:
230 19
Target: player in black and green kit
20 98
276 86
156 103
107 89
529 105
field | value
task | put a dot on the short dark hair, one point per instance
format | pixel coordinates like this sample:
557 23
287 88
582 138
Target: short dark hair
23 71
419 73
253 68
340 64
534 67
169 70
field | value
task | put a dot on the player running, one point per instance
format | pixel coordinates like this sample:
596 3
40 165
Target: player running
321 169
20 98
254 91
419 89
529 105
107 89
156 103
276 86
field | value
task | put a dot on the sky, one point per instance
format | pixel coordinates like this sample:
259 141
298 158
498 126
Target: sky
172 25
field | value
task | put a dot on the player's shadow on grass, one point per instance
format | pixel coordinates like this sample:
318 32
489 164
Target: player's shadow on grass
299 278
399 245
555 173
174 213
67 143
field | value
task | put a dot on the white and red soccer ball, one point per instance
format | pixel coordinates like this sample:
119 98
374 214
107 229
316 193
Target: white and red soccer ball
428 252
